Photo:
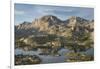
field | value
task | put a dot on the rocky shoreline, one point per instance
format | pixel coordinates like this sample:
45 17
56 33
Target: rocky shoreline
27 59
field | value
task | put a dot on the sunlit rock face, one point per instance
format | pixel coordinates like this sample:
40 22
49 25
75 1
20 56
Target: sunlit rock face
50 24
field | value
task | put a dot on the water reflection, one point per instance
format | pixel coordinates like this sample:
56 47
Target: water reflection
45 58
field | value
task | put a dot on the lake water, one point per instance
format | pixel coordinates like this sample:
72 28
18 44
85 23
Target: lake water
45 58
50 58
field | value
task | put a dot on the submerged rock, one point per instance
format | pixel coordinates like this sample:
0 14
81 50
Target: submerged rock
26 59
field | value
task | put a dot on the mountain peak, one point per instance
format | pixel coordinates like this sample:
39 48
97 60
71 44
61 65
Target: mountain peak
77 19
50 18
73 17
25 23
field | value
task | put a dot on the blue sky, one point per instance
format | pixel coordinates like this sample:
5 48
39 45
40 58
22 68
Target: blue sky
28 12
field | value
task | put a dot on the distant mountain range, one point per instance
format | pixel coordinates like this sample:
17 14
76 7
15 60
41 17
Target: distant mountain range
52 25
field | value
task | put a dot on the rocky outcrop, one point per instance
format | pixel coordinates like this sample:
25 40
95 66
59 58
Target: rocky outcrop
27 59
52 25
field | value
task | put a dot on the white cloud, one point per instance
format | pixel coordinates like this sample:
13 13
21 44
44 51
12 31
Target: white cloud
19 12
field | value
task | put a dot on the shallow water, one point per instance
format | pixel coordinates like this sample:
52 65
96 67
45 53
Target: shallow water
51 58
45 58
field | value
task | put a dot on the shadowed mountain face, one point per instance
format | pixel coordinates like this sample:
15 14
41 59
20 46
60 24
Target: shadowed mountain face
52 25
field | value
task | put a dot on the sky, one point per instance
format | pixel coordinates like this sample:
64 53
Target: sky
29 12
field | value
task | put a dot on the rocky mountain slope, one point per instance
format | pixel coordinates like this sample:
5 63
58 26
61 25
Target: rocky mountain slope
52 25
